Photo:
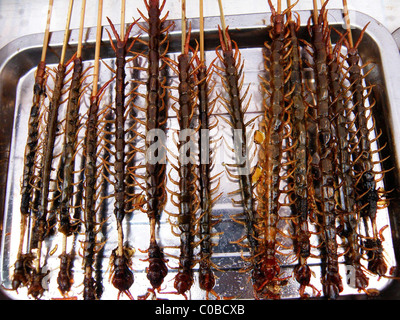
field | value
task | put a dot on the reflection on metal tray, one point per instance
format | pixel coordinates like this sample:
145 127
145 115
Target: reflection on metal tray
18 61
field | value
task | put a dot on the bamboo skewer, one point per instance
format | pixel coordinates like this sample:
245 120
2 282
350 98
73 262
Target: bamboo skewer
79 50
122 33
47 31
97 49
223 23
201 32
347 20
315 11
66 34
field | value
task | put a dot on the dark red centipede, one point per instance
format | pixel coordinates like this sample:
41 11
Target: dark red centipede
156 117
122 276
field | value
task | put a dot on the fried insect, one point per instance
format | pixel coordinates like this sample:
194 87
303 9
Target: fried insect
187 197
206 191
91 174
122 277
349 217
325 182
298 110
273 133
40 228
156 117
235 105
67 225
368 196
23 265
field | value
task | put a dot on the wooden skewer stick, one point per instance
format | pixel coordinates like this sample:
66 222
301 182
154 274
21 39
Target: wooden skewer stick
201 32
66 34
122 33
347 20
279 7
97 49
79 50
315 11
183 25
223 24
47 31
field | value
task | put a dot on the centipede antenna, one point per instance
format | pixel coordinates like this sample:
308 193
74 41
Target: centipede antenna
183 25
223 23
329 40
289 12
47 31
66 34
201 32
79 49
122 33
97 49
347 20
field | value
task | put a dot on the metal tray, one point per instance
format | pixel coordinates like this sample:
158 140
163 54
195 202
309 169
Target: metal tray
18 62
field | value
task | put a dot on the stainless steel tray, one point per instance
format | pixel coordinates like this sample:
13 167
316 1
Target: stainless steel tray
18 61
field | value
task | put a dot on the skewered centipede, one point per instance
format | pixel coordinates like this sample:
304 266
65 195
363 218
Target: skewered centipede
156 117
122 276
206 191
325 195
304 180
23 265
232 81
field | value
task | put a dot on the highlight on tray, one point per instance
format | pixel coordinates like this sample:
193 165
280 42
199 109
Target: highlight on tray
132 159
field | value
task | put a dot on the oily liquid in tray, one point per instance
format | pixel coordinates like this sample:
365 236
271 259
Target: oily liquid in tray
227 255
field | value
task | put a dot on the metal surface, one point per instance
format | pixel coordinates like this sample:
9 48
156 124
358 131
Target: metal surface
18 62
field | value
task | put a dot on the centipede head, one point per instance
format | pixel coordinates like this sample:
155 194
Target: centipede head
183 282
121 276
157 270
36 288
22 271
266 280
206 279
360 280
65 276
302 274
376 261
332 285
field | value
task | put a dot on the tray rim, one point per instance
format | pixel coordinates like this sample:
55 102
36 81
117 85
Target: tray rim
390 60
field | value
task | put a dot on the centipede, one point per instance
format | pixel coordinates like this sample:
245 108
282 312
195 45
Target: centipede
49 139
348 210
121 276
207 193
302 271
23 265
272 135
156 117
91 173
187 197
68 224
368 196
324 179
236 105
